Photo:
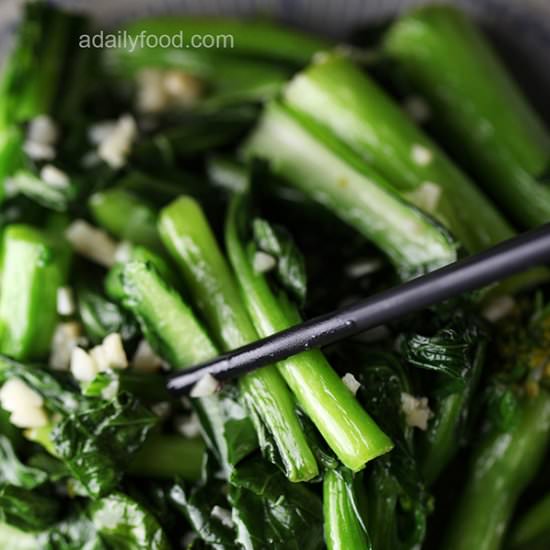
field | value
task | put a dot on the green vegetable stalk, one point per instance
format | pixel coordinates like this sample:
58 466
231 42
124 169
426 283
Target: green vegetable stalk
476 106
169 456
334 176
31 80
350 106
320 392
532 530
126 216
502 467
34 267
172 329
344 528
187 235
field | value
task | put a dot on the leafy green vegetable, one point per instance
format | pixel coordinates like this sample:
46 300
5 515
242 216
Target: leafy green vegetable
13 472
101 317
123 523
96 441
27 510
269 510
95 438
290 269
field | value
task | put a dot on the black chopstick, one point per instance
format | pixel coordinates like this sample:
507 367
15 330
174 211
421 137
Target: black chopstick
505 259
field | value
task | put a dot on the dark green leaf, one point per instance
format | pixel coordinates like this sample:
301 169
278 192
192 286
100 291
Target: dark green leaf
277 242
124 524
27 510
271 512
101 317
13 472
96 442
197 504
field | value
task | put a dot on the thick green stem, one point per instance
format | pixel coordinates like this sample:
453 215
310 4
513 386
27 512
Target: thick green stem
168 456
34 267
348 104
126 216
187 235
441 440
502 467
341 181
476 106
532 531
344 528
344 424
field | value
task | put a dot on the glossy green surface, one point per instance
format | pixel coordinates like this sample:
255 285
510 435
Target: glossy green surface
346 102
34 267
532 531
351 189
187 235
171 324
126 216
344 528
344 424
502 468
477 106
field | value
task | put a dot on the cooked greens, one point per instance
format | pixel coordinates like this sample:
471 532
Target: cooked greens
162 205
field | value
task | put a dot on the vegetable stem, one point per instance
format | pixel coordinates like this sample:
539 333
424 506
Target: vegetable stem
344 528
346 103
344 424
341 181
476 106
187 235
167 456
502 467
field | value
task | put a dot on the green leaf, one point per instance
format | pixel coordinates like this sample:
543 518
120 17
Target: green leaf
123 524
101 317
13 472
27 510
272 512
96 442
197 504
290 269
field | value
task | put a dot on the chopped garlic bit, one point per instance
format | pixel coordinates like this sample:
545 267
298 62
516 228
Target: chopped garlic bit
160 89
29 418
223 515
364 267
499 308
42 129
417 108
114 351
162 409
115 147
65 301
123 252
54 177
188 426
24 404
111 390
421 155
15 392
92 242
207 385
145 359
262 262
351 382
41 137
416 411
108 355
83 366
426 196
65 338
101 131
